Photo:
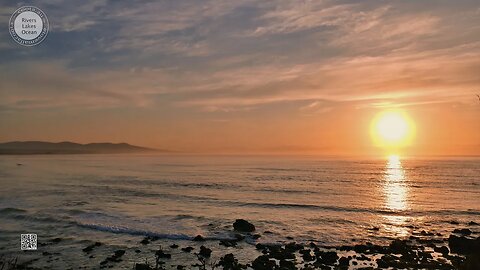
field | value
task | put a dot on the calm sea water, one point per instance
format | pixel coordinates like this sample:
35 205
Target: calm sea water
116 199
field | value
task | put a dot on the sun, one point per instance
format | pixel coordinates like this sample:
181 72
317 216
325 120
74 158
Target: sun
392 129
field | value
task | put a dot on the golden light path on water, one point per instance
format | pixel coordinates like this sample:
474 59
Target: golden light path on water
396 192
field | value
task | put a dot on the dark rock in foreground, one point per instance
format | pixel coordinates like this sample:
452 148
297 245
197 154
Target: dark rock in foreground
205 252
463 245
142 266
242 225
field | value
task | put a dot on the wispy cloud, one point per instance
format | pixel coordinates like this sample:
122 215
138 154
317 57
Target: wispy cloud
239 57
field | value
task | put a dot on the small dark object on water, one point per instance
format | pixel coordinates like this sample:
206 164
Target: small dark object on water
242 225
174 246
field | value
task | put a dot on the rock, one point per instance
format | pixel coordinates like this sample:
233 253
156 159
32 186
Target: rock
424 233
307 255
472 262
228 243
205 252
174 246
344 261
360 248
260 246
119 253
443 250
463 231
91 247
262 262
256 236
149 239
463 245
198 238
162 255
242 225
399 247
187 249
137 251
116 257
229 262
180 267
292 247
328 258
280 253
287 265
142 266
472 223
239 237
88 248
387 261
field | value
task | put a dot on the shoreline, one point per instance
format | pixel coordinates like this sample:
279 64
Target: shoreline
421 250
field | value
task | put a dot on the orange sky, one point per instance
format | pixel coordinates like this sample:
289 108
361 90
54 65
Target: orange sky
247 77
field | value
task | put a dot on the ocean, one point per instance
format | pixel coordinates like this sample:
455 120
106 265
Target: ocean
120 199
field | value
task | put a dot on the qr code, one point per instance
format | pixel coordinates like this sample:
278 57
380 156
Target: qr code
28 241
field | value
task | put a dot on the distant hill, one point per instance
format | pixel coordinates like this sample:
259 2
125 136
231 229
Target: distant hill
37 148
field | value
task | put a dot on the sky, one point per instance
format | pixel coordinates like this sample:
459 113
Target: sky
245 76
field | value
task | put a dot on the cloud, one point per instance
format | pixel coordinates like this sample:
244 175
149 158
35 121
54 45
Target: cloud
239 55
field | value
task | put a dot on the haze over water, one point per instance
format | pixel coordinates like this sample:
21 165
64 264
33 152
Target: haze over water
115 199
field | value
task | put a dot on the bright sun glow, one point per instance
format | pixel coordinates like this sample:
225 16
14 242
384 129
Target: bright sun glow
392 129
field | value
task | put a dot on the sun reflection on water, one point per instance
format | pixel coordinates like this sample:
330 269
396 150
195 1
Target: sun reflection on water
395 190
